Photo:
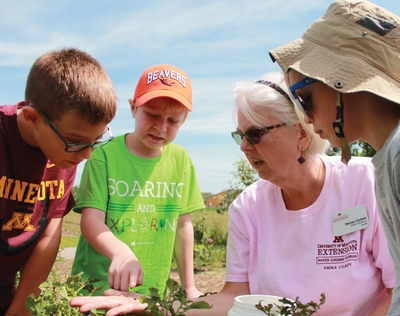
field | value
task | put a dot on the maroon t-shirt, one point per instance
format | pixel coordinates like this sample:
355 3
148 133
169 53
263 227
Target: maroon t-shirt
32 192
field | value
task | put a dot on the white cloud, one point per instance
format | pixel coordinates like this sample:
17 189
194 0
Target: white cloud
216 42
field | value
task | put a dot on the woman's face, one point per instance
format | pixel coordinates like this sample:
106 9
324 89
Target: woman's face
278 150
321 107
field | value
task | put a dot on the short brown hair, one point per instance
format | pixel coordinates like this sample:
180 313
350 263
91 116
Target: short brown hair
70 80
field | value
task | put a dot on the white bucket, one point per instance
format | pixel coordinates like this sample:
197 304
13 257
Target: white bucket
245 305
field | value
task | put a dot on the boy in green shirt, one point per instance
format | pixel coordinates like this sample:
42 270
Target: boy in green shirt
136 195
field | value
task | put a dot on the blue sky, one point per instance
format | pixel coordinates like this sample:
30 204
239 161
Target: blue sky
217 43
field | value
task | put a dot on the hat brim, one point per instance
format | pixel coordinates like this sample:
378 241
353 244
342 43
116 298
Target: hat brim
163 93
329 66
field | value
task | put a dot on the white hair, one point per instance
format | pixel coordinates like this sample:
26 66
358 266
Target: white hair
269 97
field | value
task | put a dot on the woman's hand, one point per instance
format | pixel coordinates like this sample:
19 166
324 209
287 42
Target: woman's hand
115 302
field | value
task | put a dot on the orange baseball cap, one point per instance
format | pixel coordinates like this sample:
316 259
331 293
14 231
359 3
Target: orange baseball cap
164 81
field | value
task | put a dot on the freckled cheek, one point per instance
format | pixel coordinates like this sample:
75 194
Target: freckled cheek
173 130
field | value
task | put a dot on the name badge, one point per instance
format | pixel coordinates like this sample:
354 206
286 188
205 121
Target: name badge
350 220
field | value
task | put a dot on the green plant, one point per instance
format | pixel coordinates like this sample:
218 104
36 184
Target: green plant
200 231
174 302
210 238
217 234
291 308
55 295
243 176
358 148
201 250
201 255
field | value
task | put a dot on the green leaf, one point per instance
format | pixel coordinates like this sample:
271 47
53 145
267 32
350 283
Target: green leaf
200 305
56 293
291 308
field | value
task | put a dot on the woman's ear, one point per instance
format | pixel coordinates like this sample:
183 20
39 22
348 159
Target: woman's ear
304 138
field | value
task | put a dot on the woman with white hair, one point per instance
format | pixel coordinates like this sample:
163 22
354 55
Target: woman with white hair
310 225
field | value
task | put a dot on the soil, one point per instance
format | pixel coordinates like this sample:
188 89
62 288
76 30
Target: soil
206 281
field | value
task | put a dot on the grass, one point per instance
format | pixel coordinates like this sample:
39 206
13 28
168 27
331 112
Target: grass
68 241
212 218
71 224
71 229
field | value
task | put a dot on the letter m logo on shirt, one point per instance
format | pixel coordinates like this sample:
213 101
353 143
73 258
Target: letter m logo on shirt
19 221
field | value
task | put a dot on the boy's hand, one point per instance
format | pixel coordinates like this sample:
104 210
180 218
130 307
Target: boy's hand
125 272
193 292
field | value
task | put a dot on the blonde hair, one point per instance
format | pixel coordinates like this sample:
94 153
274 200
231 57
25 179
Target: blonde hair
258 102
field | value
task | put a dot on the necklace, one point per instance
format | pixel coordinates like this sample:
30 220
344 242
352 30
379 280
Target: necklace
315 185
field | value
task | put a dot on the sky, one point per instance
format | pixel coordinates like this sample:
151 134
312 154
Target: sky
217 43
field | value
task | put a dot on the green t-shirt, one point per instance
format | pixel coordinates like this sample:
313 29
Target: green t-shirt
143 199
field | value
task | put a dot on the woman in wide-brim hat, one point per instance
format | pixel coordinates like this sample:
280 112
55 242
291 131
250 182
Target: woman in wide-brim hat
344 73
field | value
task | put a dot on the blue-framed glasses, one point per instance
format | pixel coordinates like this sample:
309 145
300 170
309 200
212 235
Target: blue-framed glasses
299 85
72 148
253 136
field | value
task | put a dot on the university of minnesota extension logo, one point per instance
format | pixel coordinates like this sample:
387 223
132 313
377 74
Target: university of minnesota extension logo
337 255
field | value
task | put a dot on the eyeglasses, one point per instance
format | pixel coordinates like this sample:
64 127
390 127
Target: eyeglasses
298 85
71 148
253 136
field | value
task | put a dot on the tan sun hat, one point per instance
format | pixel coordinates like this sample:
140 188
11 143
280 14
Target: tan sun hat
354 47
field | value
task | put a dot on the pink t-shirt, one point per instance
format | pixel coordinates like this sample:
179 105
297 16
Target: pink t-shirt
295 253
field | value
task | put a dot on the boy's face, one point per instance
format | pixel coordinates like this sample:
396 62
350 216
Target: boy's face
74 130
321 107
157 124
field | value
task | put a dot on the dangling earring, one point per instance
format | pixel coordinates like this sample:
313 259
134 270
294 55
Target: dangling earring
301 159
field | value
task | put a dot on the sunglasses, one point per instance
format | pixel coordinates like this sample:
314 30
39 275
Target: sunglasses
253 136
298 85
